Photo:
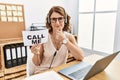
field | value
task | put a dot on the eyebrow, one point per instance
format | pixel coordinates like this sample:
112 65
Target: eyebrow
57 17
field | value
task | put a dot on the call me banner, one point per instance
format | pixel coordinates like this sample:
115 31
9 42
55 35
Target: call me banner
35 37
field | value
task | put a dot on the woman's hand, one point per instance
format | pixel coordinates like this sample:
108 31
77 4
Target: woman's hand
60 36
36 48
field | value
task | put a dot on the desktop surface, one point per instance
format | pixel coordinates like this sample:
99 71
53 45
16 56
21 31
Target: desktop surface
110 73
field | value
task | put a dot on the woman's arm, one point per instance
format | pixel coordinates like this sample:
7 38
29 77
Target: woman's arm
75 50
37 50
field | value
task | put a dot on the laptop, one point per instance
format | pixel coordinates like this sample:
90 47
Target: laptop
84 71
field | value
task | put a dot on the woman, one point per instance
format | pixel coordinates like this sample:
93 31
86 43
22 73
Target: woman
55 52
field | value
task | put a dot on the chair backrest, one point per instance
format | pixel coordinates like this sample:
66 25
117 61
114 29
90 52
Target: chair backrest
30 65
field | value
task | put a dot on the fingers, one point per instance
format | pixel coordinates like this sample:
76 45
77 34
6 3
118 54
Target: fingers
59 29
60 35
36 48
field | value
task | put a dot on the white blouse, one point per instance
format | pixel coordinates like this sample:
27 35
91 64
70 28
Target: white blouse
49 51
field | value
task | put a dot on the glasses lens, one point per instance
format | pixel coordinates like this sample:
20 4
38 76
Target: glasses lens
60 19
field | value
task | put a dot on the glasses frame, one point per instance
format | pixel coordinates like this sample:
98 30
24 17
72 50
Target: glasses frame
60 19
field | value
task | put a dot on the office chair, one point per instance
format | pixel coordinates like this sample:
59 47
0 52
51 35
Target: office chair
30 65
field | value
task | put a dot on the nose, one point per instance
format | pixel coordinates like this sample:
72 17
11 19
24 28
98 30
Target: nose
57 21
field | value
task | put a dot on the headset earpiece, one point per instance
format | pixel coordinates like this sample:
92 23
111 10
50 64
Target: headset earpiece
65 18
48 19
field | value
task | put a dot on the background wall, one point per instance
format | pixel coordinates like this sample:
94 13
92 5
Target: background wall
36 10
72 9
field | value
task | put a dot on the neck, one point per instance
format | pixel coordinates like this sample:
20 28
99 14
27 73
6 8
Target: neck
57 44
53 35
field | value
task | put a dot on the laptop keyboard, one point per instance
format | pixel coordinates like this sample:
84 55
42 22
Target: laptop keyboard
80 73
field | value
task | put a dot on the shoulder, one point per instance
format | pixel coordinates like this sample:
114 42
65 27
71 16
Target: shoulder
69 36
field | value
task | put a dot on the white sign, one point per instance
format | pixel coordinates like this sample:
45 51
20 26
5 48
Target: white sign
35 37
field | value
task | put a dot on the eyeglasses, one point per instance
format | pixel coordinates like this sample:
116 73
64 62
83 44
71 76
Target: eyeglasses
54 20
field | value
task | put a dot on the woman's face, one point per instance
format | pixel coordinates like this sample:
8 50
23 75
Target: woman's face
57 21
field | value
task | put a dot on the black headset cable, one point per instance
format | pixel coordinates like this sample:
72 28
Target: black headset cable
53 59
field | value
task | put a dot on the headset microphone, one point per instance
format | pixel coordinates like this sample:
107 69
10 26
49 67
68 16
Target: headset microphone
53 59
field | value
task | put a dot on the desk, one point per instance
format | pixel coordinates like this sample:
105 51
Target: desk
112 72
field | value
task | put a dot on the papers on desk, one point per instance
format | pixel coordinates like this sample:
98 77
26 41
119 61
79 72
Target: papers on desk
50 75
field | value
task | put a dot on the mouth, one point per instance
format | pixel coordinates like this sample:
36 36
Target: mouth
58 29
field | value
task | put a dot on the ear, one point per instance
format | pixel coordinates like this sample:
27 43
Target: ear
66 17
